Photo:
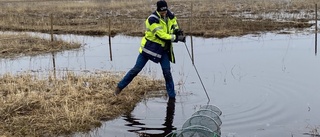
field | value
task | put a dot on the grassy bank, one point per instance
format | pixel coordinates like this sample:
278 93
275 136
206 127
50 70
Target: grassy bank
12 46
40 105
207 18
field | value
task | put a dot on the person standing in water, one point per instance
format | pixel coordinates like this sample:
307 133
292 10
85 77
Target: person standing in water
156 45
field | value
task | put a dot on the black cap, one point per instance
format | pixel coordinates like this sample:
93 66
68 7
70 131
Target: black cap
162 5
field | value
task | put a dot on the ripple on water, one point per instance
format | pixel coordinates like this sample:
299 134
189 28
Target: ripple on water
274 102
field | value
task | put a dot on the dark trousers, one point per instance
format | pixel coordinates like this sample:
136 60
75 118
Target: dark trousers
140 63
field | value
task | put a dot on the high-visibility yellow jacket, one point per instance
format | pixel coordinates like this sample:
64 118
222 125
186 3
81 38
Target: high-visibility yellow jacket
158 36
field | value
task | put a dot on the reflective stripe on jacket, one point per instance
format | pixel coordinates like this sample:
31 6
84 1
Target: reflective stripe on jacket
159 31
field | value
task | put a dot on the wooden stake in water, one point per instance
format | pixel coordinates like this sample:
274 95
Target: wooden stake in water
54 65
316 34
192 59
110 50
53 54
190 25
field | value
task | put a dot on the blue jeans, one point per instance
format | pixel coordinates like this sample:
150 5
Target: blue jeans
140 63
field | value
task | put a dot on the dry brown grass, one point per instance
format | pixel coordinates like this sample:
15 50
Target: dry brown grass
210 18
12 46
34 105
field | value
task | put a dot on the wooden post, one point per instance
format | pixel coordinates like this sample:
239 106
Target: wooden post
110 49
51 24
54 65
53 54
191 9
316 33
192 59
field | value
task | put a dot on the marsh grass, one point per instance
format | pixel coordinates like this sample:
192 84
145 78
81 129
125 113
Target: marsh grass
12 46
209 18
36 105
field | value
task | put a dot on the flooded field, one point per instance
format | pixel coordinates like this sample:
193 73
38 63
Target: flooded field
265 85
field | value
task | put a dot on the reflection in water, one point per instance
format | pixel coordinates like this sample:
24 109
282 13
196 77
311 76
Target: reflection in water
142 130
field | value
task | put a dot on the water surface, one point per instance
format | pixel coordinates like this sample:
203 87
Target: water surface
265 85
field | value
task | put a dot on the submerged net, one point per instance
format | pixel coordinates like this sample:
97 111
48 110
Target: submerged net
209 113
205 122
194 131
201 120
212 108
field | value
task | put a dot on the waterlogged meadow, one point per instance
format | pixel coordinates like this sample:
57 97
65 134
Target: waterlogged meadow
257 61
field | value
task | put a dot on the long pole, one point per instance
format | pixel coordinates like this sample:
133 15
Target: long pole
204 88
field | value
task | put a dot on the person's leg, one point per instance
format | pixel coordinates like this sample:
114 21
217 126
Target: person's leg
140 63
166 70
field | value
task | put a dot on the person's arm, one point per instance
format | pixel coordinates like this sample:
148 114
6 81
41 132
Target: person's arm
158 30
174 21
175 29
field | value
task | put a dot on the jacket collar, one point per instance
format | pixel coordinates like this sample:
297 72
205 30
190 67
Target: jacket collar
158 14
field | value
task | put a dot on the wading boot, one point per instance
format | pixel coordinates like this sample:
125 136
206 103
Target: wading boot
117 91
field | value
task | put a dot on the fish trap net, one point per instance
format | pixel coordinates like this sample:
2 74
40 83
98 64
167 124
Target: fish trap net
205 122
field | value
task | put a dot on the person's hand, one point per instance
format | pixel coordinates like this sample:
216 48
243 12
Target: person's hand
179 35
181 38
178 32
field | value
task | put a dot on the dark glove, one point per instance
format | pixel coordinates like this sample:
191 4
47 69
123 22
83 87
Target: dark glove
178 32
179 35
181 38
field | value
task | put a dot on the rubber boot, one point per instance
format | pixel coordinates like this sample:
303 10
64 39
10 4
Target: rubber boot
117 91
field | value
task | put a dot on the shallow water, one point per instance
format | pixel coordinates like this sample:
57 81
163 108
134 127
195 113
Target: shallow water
265 85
